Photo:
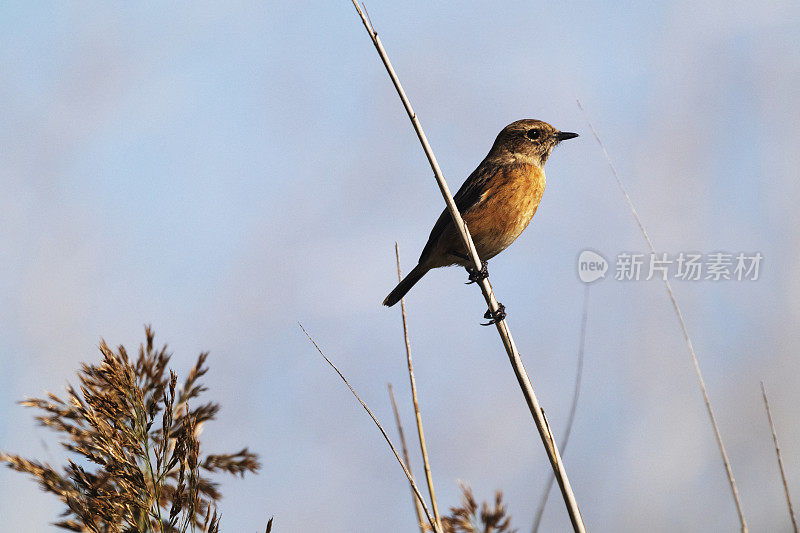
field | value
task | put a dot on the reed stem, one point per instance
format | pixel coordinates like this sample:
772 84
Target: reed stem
780 459
417 507
502 327
420 433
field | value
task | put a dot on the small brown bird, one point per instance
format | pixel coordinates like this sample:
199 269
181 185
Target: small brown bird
497 201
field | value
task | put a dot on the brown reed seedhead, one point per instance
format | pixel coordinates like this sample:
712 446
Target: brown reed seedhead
135 471
469 519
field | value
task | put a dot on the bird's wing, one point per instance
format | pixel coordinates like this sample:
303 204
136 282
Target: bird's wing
467 196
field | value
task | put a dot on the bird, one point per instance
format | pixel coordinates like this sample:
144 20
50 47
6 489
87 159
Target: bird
497 202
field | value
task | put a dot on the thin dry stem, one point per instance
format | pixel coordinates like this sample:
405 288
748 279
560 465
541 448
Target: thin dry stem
684 329
780 459
417 508
573 408
383 432
502 327
420 433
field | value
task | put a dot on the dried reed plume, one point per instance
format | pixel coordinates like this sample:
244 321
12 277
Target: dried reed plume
467 518
139 467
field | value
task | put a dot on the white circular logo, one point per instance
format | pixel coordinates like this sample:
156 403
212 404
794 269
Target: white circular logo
591 266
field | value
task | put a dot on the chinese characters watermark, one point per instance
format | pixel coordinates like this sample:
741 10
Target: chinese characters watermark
684 266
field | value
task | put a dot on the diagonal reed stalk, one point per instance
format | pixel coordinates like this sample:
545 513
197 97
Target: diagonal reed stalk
502 327
417 508
576 393
684 329
424 449
780 459
414 487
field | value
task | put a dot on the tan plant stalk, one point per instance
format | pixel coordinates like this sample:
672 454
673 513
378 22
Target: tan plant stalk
502 327
417 508
684 329
383 432
576 393
780 459
426 463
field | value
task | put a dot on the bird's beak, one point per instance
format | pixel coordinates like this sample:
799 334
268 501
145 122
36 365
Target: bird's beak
564 135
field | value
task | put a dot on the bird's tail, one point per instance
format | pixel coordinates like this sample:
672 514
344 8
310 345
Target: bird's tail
404 286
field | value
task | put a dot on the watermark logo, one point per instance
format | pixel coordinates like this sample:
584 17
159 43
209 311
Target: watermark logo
684 266
591 266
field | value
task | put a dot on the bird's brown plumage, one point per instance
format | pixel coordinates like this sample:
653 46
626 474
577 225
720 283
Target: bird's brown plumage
497 201
496 220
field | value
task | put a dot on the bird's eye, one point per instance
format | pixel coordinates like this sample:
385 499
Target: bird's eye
534 134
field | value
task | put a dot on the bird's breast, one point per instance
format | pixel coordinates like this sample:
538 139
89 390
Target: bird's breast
506 208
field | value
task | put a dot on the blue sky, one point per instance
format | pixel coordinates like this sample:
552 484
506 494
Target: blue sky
224 171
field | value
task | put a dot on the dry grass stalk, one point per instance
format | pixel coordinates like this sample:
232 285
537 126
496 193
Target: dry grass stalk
417 507
138 471
468 519
684 330
780 459
573 408
502 327
410 478
421 434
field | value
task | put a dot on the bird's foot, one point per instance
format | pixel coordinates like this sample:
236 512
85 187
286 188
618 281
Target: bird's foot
477 275
495 317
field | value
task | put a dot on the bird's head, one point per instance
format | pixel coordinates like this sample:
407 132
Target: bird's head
527 141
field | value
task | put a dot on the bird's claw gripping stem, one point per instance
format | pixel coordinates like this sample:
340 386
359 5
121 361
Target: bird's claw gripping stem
495 317
477 275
